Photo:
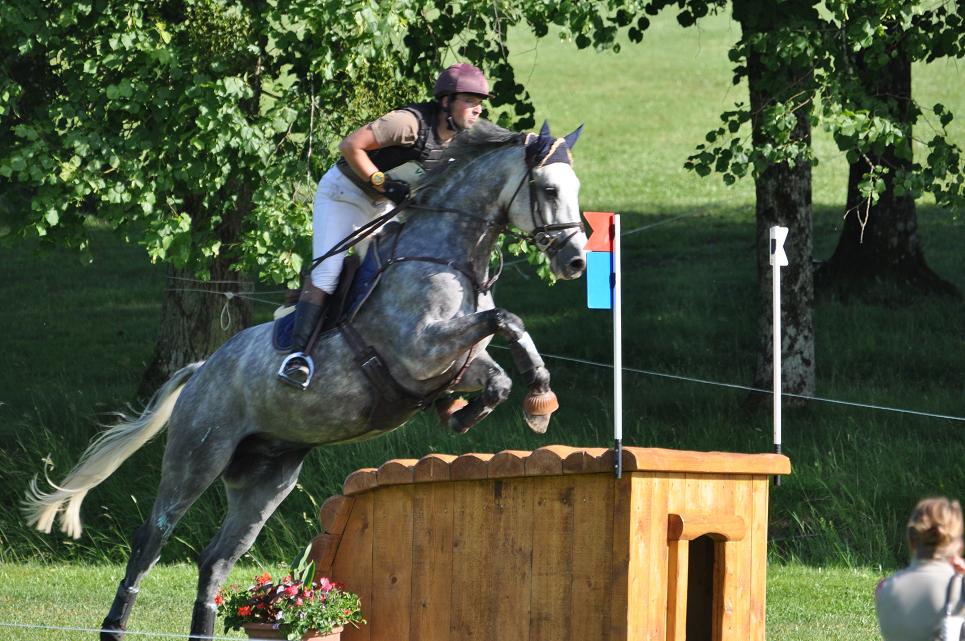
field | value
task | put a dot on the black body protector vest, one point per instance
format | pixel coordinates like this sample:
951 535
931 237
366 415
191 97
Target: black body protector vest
427 150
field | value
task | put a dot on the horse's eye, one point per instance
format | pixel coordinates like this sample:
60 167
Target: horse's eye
551 191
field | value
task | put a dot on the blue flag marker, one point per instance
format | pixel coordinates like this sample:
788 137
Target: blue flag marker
599 280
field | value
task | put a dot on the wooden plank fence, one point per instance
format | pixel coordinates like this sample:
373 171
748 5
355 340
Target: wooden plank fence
548 545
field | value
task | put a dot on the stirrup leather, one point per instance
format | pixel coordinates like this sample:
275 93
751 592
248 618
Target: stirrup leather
297 363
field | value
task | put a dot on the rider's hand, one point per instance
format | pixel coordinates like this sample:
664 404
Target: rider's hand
396 190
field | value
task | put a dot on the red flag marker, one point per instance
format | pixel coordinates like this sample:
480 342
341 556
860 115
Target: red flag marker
601 222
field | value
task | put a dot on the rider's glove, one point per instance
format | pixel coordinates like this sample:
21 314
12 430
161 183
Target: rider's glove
396 190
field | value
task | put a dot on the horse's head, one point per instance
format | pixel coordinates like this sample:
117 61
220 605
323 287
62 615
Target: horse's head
546 204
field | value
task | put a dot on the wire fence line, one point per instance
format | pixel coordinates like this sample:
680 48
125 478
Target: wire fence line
141 633
747 388
516 263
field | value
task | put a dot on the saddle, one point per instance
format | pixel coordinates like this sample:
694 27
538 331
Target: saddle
393 403
336 309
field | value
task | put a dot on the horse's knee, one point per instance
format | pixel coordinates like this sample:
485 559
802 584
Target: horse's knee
498 388
506 324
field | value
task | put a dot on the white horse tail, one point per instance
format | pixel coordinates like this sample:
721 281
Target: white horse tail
102 457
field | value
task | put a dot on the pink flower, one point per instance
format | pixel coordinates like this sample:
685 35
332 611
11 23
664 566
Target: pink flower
307 593
291 590
324 584
299 601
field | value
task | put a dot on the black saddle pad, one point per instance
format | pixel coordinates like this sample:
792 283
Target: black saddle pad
338 304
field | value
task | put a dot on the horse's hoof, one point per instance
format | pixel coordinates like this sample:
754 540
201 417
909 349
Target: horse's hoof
538 424
446 407
537 409
111 634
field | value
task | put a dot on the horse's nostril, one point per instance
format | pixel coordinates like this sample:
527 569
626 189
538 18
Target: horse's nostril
578 264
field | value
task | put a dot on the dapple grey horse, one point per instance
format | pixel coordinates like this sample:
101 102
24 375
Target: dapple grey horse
427 323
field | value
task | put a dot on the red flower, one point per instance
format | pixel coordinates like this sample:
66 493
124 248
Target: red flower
291 590
244 611
263 579
218 599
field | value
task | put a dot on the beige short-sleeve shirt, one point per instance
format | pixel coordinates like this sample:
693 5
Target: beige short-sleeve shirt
396 128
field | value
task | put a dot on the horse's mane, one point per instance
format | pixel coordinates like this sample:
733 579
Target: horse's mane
465 147
480 138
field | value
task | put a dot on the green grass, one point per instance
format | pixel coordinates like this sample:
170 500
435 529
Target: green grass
803 603
77 336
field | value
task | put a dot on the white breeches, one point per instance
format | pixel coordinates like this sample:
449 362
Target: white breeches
340 208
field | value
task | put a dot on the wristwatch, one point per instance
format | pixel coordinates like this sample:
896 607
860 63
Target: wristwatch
377 179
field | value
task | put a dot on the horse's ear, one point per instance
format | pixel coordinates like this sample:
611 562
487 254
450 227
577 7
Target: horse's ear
545 129
572 137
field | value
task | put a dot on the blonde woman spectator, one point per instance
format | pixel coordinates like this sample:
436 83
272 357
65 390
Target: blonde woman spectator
911 602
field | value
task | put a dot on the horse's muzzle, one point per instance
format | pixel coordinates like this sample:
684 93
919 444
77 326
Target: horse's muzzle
570 269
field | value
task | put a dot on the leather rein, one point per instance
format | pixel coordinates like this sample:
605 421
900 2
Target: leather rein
548 238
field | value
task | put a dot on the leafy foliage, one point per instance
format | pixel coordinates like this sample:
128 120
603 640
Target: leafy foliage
838 46
198 128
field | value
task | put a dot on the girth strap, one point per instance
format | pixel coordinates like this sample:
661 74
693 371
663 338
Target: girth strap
373 367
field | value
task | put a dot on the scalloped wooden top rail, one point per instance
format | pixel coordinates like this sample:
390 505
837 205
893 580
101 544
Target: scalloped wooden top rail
555 460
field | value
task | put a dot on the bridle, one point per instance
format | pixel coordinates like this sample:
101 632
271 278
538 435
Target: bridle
546 238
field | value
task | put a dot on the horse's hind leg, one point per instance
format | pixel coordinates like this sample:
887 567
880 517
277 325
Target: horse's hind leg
483 373
260 476
186 472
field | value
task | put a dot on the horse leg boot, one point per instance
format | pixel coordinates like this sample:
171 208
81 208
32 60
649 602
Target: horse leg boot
298 367
540 402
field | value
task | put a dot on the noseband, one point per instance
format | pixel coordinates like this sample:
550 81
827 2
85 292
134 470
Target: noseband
549 239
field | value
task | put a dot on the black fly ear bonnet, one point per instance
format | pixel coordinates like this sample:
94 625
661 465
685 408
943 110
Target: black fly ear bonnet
544 149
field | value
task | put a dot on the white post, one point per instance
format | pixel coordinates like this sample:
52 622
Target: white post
617 352
778 259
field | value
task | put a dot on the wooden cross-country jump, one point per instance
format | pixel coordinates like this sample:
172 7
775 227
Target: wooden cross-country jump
548 545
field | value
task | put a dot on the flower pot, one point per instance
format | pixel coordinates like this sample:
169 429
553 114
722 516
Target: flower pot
267 631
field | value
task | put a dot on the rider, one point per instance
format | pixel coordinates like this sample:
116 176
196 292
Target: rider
356 190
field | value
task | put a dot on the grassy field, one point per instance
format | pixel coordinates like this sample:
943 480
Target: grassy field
76 337
804 603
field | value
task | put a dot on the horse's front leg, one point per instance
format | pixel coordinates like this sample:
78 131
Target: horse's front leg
464 332
483 374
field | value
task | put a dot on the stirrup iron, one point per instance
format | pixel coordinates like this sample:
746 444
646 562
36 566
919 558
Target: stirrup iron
309 364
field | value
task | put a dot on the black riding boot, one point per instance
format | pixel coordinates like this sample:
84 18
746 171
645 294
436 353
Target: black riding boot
298 367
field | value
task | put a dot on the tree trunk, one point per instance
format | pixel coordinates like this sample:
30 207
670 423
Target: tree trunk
881 242
783 198
197 317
